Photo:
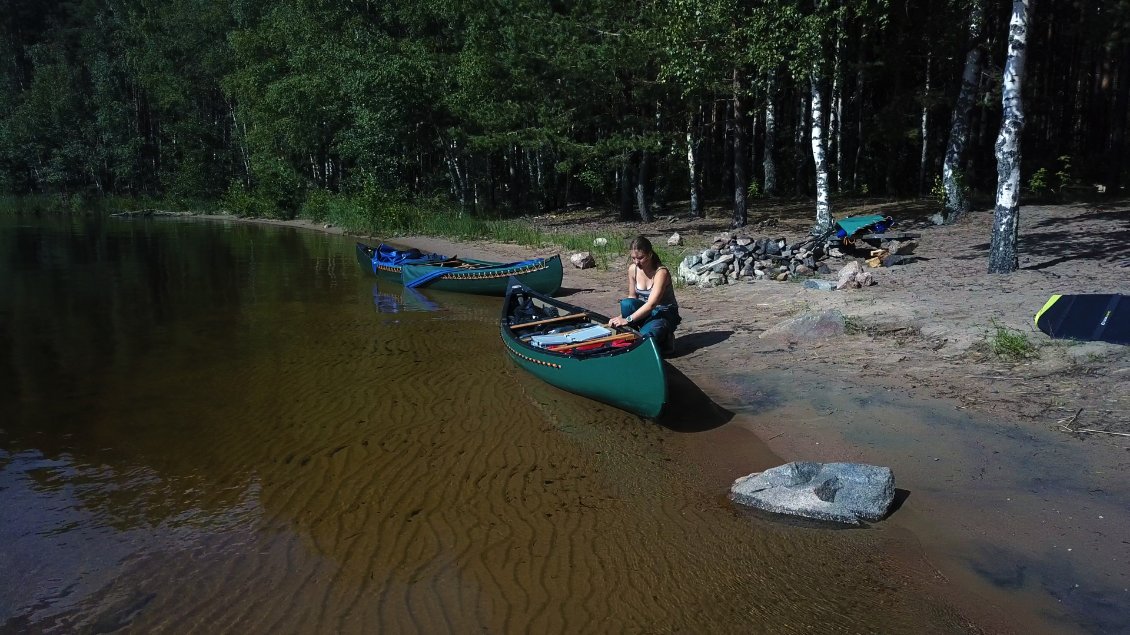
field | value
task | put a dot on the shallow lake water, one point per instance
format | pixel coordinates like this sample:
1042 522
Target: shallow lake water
211 426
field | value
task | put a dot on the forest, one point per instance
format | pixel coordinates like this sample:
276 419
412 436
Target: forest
506 107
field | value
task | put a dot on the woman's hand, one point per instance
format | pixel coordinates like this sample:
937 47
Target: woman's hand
618 321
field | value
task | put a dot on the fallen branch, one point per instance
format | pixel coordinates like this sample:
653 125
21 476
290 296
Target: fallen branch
1093 431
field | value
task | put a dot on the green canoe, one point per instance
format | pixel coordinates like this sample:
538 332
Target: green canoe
416 269
485 278
573 349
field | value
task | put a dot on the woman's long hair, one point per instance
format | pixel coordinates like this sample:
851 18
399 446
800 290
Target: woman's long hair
642 244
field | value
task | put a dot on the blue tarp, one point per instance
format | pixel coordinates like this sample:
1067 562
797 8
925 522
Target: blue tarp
870 224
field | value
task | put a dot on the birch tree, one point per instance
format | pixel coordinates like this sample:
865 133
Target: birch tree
819 157
769 163
741 180
953 182
811 51
924 127
1006 218
694 157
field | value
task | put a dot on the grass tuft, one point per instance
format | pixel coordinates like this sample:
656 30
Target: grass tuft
1010 344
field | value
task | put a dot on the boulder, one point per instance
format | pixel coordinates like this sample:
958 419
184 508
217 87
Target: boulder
848 493
808 326
675 240
582 260
822 285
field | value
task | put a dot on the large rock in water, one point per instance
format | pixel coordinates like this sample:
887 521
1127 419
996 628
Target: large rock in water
840 492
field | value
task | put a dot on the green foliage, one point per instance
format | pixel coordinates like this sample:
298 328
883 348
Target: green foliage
511 105
1065 174
938 191
1039 184
1044 183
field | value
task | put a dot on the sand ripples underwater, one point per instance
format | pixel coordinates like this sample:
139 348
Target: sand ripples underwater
331 467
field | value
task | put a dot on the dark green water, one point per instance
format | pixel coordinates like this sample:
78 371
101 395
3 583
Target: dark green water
226 428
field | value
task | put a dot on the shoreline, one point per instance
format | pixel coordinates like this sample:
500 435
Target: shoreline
921 346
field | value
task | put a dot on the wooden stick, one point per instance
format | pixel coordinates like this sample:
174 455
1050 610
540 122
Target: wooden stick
596 340
1066 422
1093 431
560 318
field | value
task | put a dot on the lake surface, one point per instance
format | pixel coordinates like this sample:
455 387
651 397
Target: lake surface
224 427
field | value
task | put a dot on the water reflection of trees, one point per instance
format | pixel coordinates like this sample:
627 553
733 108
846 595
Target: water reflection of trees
93 305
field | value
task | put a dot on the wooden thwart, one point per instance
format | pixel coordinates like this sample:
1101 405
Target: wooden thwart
560 318
596 340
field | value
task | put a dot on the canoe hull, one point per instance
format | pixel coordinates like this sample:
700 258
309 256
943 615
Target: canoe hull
632 378
541 275
481 277
371 262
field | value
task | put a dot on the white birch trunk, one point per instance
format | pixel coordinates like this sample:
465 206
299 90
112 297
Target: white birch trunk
925 127
836 112
823 202
798 140
741 180
953 180
1006 218
694 141
455 174
768 164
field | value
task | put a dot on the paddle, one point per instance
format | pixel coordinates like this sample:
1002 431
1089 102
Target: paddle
608 338
560 318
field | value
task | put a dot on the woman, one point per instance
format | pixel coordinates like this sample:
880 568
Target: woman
650 306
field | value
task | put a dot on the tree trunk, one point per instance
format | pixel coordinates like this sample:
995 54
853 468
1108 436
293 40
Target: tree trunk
836 112
954 182
823 202
694 153
1006 219
768 164
643 176
798 139
741 178
1117 148
925 129
626 187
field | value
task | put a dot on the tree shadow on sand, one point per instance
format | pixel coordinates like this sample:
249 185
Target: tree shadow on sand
1054 241
688 408
1099 236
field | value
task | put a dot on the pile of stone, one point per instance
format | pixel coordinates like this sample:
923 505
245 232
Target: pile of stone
735 257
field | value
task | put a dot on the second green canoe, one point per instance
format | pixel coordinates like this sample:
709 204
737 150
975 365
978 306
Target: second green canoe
485 278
